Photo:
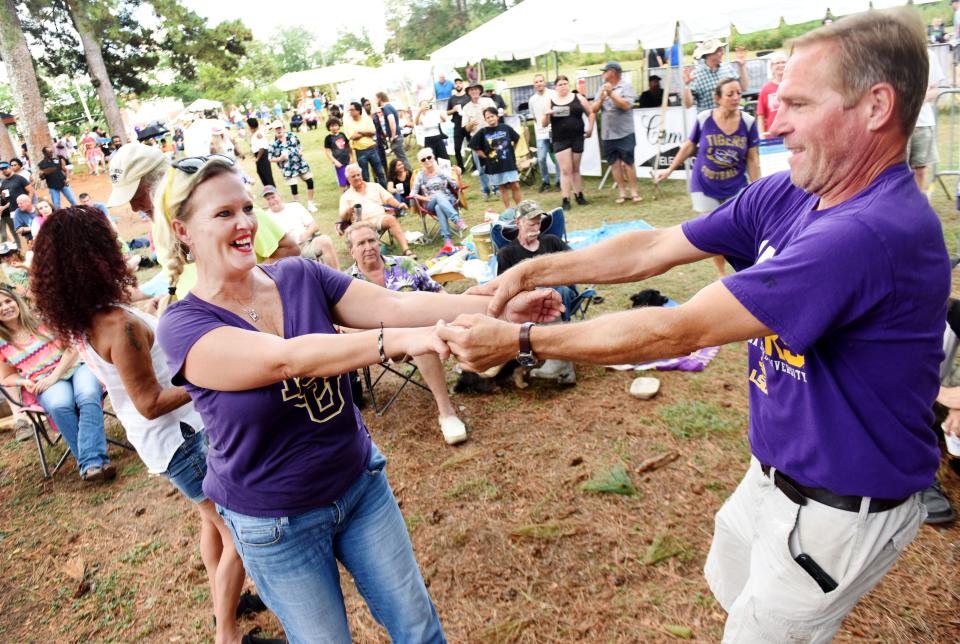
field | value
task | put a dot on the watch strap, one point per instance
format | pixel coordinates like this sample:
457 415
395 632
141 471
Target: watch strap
525 337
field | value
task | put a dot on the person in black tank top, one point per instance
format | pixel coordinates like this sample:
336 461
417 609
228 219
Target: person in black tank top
565 116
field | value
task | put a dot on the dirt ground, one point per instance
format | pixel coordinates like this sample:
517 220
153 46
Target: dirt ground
514 549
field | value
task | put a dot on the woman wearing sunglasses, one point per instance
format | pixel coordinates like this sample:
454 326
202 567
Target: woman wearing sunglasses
436 191
84 297
291 467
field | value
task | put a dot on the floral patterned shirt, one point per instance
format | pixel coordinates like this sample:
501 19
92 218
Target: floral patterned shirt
295 165
401 274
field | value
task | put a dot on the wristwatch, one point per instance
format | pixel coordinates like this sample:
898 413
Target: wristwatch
526 357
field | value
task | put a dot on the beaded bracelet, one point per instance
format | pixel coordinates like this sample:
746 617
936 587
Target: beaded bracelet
383 356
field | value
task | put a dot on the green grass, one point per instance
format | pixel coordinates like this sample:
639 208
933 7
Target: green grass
695 419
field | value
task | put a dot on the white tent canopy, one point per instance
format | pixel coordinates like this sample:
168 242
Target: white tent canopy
567 25
203 104
321 76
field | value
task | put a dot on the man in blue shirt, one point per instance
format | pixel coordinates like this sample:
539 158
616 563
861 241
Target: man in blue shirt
87 200
23 218
443 89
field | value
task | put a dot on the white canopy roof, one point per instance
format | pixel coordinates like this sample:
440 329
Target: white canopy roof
203 104
536 27
321 76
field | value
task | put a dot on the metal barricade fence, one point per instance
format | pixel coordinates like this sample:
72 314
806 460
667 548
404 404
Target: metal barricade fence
947 138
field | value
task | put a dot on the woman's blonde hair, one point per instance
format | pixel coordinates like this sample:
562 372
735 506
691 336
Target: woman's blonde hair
171 201
27 320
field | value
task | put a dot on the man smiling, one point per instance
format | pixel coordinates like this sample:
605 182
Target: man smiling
840 292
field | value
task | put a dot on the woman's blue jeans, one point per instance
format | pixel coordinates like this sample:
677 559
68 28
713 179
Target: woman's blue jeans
441 206
293 561
76 406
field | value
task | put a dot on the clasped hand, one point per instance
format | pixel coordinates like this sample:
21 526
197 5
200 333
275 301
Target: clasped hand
480 341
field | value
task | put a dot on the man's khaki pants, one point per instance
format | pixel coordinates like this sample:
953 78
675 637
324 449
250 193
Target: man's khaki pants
767 595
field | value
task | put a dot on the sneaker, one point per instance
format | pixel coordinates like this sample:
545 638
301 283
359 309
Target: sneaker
311 207
560 370
581 200
556 186
475 173
99 473
544 187
939 509
461 225
249 604
566 204
24 430
454 431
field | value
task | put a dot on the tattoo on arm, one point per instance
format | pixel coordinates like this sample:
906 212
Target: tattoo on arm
133 338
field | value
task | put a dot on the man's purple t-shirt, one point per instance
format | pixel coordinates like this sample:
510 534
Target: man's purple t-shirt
841 396
287 448
720 169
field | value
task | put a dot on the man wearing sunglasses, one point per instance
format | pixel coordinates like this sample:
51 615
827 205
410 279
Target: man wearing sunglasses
136 171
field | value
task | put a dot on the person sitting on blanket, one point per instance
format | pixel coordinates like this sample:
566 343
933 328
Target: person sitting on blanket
404 274
531 241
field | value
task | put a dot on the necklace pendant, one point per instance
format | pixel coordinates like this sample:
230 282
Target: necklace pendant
253 315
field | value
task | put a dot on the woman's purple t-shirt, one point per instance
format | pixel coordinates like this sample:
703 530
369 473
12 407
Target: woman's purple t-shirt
287 448
720 169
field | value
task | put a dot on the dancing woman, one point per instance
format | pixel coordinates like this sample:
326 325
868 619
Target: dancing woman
291 466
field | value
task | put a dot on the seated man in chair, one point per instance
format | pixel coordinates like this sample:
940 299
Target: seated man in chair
530 241
371 199
404 274
300 225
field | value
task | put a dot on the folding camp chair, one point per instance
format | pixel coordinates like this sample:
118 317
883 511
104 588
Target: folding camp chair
380 408
38 418
428 218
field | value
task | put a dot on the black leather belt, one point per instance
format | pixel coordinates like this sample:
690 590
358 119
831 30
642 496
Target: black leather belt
800 493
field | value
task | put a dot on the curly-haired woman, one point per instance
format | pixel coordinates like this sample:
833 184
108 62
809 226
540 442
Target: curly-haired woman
81 285
35 361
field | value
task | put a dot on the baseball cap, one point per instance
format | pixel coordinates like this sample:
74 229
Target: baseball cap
128 165
424 153
654 76
268 190
4 165
529 209
489 85
707 47
7 247
612 64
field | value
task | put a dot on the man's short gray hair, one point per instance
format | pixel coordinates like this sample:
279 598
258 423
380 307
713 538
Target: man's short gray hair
352 166
878 47
348 234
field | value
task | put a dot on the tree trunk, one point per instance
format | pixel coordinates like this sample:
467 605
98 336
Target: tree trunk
97 69
7 149
31 118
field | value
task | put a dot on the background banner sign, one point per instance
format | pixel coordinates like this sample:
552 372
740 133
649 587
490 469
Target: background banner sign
647 123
